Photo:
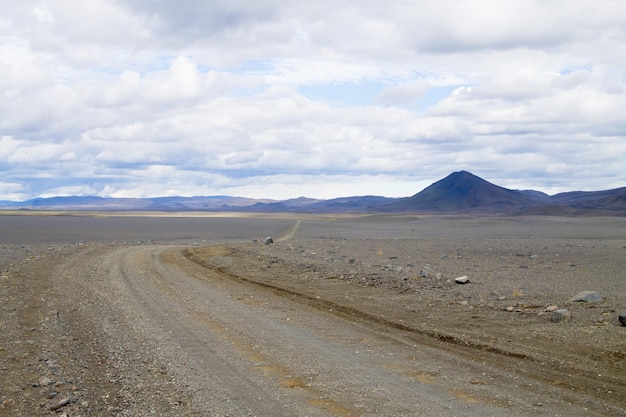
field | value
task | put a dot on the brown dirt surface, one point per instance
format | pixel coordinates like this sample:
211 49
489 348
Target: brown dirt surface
349 316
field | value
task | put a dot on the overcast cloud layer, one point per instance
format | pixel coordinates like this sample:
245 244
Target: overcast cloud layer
278 99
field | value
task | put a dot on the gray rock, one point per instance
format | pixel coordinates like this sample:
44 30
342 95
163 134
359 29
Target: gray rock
587 297
560 315
423 273
268 240
65 401
551 309
622 318
44 380
462 280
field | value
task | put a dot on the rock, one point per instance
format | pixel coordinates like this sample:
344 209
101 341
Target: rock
462 280
268 240
587 296
622 318
510 309
551 309
423 273
560 315
65 401
43 381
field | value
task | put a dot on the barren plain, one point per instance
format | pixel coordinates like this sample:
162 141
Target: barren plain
142 314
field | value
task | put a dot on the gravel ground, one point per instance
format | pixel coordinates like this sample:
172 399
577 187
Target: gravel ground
340 316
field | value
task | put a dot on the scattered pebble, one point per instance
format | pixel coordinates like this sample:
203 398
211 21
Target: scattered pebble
622 318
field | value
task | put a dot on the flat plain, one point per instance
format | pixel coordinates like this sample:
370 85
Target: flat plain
135 314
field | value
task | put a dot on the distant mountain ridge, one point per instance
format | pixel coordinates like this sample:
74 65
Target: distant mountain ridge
459 192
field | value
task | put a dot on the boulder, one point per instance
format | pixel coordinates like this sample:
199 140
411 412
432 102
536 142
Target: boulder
560 315
587 297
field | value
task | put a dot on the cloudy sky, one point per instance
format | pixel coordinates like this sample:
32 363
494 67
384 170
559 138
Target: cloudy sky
324 98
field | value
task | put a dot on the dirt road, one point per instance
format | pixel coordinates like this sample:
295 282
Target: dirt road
173 330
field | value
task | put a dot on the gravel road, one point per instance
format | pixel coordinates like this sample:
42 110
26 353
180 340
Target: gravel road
101 329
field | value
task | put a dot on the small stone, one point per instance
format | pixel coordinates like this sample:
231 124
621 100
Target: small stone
44 381
510 309
462 280
622 318
65 401
423 273
268 240
551 308
560 315
587 296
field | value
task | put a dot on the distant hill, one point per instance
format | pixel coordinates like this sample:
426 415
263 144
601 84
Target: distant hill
463 191
459 192
357 204
133 204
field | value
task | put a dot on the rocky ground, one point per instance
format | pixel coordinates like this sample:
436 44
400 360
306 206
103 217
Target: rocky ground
314 324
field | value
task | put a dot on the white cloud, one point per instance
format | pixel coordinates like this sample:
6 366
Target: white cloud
156 97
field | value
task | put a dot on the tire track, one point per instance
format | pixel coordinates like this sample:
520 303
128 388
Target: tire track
291 232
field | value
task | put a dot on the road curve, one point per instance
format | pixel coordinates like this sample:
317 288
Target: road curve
229 347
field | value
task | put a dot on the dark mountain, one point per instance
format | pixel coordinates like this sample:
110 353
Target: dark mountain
465 192
536 195
607 200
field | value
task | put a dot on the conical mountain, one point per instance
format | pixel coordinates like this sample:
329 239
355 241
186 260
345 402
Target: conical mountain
463 191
